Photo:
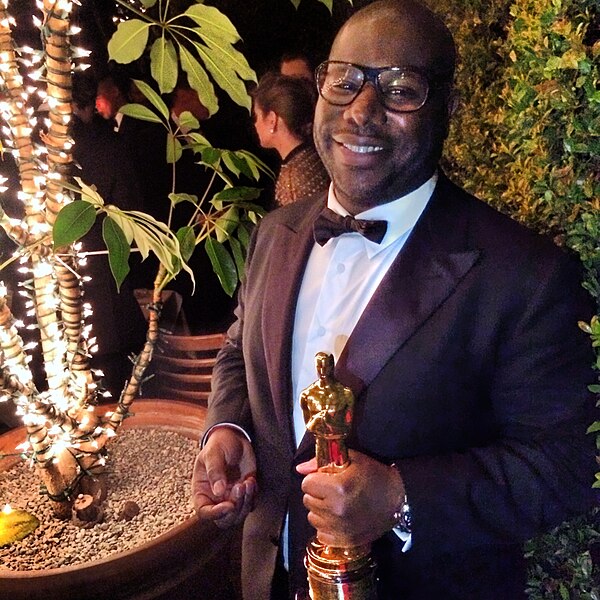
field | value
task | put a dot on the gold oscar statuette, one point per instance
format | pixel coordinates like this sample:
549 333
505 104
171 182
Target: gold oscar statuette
327 406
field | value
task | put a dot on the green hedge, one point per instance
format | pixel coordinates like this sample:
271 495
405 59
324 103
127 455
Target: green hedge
527 140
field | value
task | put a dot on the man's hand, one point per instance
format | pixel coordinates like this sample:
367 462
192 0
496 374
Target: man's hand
224 478
353 507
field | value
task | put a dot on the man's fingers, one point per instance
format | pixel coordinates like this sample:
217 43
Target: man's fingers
213 512
307 467
215 468
248 497
242 496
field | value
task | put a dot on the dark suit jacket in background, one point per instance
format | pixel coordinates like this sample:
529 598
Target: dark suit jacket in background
118 323
470 374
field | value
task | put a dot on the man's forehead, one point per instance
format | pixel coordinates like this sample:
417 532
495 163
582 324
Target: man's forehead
378 42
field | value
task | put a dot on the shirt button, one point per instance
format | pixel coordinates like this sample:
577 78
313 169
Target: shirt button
341 268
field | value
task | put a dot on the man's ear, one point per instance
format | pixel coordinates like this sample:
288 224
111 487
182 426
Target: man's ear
452 104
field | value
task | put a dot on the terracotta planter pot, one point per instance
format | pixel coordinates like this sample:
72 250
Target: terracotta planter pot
189 561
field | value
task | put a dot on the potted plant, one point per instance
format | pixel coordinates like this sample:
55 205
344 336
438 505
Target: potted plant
67 437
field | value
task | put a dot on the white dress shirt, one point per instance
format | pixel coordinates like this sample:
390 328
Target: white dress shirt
339 280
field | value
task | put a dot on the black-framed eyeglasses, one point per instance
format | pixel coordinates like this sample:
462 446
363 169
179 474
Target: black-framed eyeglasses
400 89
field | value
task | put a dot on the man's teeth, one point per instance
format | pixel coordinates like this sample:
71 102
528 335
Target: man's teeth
363 149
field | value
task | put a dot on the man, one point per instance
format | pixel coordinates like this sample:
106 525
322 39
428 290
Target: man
457 334
112 93
146 144
102 160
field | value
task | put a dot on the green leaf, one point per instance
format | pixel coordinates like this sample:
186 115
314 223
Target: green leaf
15 525
213 22
118 250
163 64
563 591
254 163
232 58
211 156
594 427
237 193
181 197
198 138
154 236
227 223
123 220
243 235
148 3
139 111
153 98
327 3
89 193
142 241
72 222
187 242
198 80
222 265
128 41
224 74
174 149
188 121
238 256
231 164
240 163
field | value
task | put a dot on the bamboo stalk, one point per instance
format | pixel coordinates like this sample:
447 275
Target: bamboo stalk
57 47
142 361
35 225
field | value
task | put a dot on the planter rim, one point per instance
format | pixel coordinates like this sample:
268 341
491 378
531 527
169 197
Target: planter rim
142 411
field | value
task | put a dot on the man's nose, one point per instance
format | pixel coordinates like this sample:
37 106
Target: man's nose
366 107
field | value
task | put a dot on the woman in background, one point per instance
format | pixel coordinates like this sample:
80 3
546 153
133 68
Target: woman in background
283 110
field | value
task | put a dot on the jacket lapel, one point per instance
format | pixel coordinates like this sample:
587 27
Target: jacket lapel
292 245
428 269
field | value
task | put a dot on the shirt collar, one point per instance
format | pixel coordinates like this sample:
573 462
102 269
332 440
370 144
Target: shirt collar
118 119
401 214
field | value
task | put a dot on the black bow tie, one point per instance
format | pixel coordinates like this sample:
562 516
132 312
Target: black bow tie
329 224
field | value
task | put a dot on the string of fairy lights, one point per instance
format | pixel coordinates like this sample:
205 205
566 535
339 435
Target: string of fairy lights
33 81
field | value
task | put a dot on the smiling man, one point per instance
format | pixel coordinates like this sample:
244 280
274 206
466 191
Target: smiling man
455 328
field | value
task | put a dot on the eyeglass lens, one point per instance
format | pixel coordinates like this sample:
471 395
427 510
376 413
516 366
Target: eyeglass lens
400 89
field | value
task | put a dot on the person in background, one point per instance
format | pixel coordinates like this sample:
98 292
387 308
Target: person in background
100 155
283 110
102 159
297 64
112 93
207 308
146 146
454 326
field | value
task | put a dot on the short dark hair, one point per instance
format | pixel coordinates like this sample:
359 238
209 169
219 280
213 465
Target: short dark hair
291 98
297 55
84 88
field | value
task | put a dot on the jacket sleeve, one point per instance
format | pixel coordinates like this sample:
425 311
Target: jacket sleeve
228 402
539 468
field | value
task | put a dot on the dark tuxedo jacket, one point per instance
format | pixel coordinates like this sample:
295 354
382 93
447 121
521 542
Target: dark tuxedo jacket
470 374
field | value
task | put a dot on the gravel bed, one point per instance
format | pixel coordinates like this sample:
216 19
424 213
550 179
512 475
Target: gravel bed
151 467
